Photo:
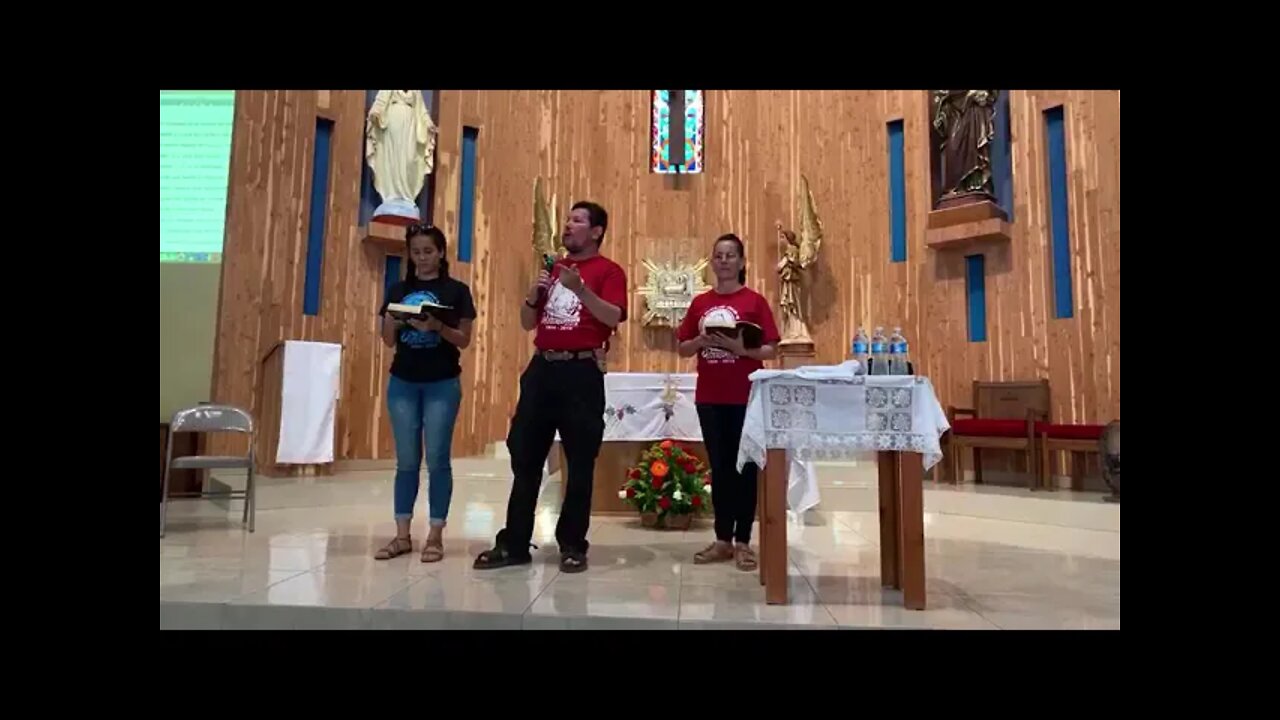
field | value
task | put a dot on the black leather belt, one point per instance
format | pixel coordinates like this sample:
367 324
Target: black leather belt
563 355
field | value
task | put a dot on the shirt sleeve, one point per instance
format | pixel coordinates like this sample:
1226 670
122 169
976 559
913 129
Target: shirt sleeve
688 329
613 289
771 336
466 306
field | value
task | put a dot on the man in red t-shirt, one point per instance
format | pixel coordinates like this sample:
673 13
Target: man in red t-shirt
574 309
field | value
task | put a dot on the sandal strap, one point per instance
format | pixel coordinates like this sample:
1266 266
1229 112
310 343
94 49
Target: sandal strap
394 547
716 549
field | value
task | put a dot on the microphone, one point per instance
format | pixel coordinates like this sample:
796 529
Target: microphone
548 262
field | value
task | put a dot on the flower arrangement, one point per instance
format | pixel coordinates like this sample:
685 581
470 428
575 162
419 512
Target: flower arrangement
668 482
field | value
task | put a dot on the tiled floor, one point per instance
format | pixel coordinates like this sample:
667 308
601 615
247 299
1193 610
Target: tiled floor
994 559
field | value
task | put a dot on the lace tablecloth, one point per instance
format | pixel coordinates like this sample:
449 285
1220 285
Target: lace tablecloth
832 413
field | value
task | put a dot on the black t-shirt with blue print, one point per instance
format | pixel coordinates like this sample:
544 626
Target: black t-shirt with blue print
425 356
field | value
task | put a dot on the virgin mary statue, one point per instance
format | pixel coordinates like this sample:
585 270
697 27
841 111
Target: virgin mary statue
400 143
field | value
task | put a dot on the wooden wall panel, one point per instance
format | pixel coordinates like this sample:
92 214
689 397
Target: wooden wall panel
264 256
594 145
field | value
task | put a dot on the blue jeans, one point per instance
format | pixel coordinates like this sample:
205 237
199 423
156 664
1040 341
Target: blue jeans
421 410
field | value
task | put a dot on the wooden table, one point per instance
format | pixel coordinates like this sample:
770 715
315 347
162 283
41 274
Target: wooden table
901 526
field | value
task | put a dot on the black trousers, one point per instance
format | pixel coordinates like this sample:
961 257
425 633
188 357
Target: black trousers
567 396
733 493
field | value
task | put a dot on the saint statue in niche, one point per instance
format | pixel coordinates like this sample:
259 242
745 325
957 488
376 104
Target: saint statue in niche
965 122
400 143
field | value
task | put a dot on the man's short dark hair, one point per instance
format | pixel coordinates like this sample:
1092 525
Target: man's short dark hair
599 217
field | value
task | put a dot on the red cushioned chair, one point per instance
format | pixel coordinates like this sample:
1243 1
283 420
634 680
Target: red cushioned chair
1075 439
1003 417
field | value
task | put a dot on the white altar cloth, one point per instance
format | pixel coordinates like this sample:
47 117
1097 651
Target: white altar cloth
832 413
650 407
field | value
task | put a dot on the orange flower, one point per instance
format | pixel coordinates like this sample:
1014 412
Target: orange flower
659 469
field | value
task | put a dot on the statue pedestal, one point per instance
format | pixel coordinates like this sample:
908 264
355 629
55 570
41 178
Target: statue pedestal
796 354
397 212
966 220
389 236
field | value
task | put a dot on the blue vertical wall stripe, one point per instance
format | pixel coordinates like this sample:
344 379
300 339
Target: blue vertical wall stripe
975 285
467 203
390 274
314 270
1059 226
1002 156
427 196
897 195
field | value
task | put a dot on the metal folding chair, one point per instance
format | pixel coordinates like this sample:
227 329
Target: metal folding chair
210 419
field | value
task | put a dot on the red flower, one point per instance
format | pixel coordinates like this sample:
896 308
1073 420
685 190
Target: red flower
697 501
631 492
708 480
634 474
657 483
664 503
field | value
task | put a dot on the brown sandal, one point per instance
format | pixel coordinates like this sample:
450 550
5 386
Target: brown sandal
714 553
432 553
397 547
744 558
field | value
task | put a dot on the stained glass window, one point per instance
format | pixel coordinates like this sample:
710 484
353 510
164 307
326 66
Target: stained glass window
690 134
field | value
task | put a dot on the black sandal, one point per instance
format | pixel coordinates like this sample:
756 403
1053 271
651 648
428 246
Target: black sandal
499 557
573 562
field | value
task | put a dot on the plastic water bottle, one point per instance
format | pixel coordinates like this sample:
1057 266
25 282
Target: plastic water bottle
860 348
879 353
897 353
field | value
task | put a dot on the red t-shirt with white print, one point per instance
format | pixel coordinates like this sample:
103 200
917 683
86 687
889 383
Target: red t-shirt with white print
722 376
564 323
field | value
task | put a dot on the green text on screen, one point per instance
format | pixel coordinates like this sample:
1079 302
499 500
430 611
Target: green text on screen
195 158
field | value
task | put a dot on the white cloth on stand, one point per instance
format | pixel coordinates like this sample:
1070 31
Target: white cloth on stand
802 484
311 372
831 415
847 370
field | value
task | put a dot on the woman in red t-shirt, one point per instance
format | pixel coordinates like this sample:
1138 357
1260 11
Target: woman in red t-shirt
724 362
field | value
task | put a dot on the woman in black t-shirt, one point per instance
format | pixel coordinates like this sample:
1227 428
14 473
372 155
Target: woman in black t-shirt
425 391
